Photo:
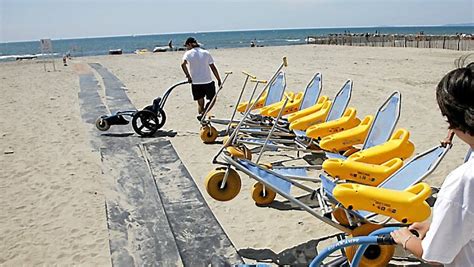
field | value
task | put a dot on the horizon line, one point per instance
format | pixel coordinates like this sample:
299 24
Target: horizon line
248 30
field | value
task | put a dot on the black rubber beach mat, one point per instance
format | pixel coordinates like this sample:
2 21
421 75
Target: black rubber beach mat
156 215
116 95
199 236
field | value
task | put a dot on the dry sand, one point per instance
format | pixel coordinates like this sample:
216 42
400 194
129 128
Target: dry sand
51 190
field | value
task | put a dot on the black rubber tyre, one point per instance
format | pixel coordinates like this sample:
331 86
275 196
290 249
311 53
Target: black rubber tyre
145 123
161 118
102 124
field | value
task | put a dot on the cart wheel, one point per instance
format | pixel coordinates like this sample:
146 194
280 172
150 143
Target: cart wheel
214 181
259 198
102 124
145 123
208 134
241 152
375 255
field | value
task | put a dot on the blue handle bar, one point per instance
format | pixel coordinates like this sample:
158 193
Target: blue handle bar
374 238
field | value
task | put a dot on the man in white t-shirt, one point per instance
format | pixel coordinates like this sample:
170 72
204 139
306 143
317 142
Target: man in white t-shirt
449 238
197 65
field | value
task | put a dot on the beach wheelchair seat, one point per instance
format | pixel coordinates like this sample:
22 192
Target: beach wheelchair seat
344 140
406 206
242 107
347 121
310 110
273 95
335 110
289 108
305 122
360 172
398 146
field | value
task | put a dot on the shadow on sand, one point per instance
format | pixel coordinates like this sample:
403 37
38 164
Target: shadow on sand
300 255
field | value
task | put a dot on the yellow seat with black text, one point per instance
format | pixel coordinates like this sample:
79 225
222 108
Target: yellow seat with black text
347 121
344 140
307 111
312 119
360 172
406 206
398 146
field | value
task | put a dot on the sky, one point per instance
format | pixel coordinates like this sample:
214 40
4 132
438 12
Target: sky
24 20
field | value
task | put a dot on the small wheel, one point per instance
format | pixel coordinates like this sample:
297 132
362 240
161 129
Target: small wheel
340 216
213 183
241 152
225 139
266 165
208 134
247 152
259 197
350 151
375 255
145 123
102 124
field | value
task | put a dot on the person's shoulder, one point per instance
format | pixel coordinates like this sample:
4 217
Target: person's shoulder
468 169
461 178
202 50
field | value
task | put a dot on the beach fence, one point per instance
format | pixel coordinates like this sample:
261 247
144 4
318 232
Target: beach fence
462 42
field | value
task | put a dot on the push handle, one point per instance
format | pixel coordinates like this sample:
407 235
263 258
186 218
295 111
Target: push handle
258 81
248 74
228 72
291 98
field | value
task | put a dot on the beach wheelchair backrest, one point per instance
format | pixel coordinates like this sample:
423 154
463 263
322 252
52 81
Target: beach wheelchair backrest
276 89
340 102
415 170
385 121
312 92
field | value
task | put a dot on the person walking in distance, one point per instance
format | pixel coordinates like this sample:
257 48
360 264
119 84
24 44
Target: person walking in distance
197 66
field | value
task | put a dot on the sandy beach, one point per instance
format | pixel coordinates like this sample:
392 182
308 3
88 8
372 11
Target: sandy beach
52 185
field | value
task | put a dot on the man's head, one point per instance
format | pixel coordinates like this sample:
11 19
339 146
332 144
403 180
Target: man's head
455 96
191 42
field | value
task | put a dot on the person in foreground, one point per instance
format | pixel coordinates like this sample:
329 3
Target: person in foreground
200 64
449 238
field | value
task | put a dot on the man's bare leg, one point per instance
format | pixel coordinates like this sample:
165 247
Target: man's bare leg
200 108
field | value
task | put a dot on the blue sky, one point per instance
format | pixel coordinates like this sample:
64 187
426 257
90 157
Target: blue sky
35 19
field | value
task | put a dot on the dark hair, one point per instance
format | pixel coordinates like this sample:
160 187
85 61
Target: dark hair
455 96
192 41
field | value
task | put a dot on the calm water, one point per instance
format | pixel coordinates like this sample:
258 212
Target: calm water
210 40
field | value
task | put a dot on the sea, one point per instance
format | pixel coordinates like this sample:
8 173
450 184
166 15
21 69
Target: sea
210 40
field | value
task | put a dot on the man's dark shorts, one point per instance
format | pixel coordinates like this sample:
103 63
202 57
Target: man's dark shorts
207 90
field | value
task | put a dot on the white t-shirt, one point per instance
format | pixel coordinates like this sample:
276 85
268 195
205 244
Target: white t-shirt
450 240
199 60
